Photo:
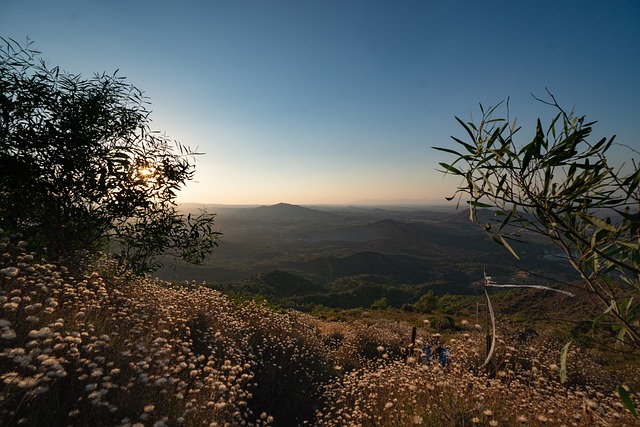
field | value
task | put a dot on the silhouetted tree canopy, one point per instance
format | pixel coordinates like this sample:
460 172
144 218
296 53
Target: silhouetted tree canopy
81 170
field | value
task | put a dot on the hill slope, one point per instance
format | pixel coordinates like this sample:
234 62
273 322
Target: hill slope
108 350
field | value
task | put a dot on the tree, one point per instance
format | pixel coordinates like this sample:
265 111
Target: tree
427 303
561 186
380 304
82 171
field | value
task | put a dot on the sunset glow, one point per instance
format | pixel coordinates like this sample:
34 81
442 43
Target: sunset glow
341 102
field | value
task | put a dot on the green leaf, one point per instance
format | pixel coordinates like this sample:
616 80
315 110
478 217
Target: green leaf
447 150
596 147
470 148
466 127
626 305
633 217
563 362
506 245
479 204
613 306
598 222
626 399
450 168
506 220
527 156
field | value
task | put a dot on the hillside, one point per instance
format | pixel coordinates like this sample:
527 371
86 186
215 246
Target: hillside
106 349
282 212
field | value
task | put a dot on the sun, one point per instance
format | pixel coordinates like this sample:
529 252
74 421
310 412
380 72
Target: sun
146 172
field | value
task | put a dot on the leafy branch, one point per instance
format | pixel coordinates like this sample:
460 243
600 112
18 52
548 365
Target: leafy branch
562 186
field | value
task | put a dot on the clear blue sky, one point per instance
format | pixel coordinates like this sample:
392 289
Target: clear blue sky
338 101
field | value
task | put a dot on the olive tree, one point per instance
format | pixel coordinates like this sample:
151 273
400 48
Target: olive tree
562 186
82 171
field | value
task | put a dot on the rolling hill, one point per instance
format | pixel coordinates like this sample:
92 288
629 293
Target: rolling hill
376 246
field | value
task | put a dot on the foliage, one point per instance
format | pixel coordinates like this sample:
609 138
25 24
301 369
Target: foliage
563 363
563 187
255 299
85 350
427 303
449 303
82 170
526 389
380 304
624 396
120 351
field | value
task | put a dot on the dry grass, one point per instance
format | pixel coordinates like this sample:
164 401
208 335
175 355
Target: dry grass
524 389
125 351
106 350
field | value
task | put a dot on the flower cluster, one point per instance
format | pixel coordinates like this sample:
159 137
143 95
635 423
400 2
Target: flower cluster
521 387
99 349
119 351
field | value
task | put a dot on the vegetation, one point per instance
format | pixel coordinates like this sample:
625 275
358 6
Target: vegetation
107 350
563 187
94 345
427 303
349 248
82 171
380 304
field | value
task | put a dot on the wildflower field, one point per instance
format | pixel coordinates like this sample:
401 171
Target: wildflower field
108 350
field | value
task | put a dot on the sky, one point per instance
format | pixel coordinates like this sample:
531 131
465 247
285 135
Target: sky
341 101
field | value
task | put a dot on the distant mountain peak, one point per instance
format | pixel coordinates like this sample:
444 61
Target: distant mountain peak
287 210
283 206
289 206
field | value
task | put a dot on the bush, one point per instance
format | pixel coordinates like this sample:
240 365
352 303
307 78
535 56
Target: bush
380 304
427 303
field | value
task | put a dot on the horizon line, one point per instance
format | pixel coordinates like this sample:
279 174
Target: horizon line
360 203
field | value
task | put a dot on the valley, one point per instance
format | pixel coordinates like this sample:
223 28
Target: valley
351 256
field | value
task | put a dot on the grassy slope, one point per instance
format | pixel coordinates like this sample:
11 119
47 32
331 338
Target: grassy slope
104 349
